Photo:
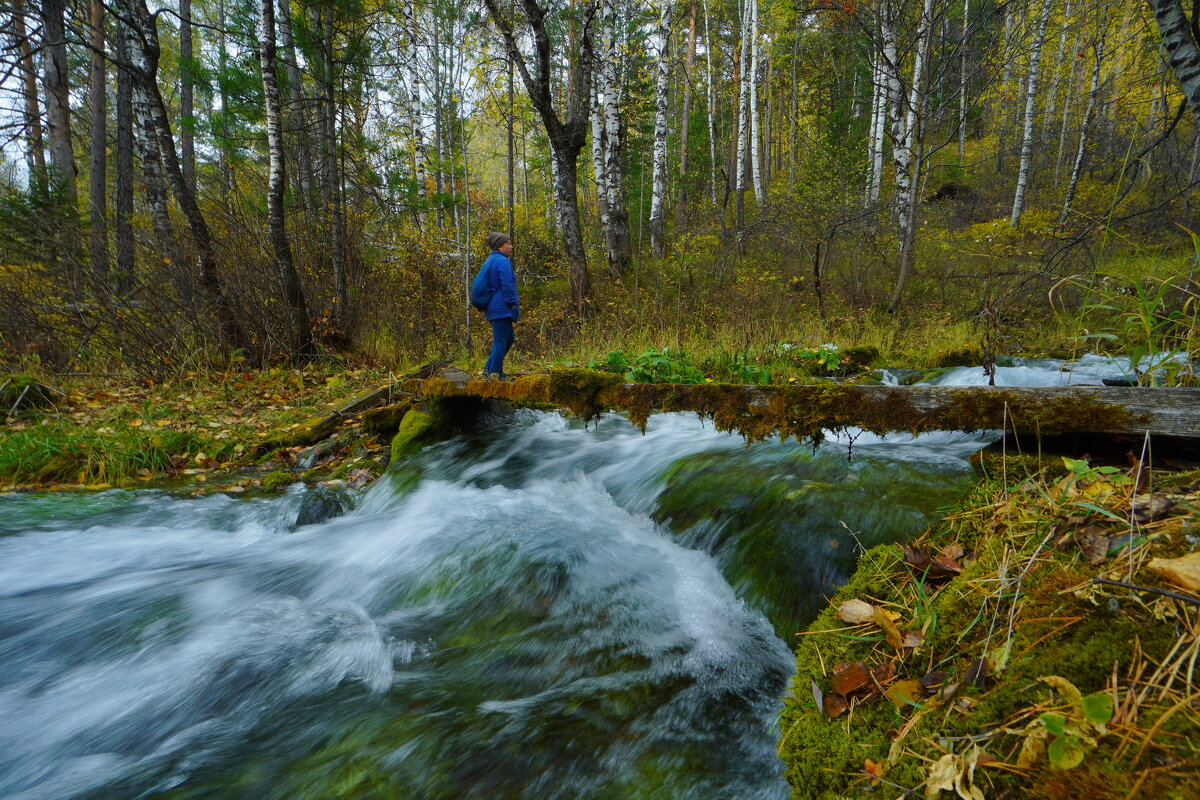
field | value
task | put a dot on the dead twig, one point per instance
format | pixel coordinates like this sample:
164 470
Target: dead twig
1174 595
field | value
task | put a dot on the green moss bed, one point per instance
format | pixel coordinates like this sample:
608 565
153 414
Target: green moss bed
1000 667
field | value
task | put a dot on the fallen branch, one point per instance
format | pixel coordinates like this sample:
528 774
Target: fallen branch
1175 595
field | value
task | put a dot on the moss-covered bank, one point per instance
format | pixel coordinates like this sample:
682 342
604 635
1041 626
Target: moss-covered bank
981 659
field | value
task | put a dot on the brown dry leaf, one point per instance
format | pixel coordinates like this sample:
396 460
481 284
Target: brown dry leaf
890 631
905 694
856 612
1183 571
874 769
913 639
933 678
1151 507
1094 545
953 551
941 777
834 705
977 673
849 678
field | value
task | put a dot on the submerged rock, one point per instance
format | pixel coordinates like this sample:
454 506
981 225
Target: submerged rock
320 505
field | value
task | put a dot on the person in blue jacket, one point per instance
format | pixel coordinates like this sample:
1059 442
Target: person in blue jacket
505 307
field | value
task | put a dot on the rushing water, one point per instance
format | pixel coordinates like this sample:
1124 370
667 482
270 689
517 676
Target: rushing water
546 612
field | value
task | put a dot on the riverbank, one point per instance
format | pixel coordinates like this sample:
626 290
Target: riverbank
1041 641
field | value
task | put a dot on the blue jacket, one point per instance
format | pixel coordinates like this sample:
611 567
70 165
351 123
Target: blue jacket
503 281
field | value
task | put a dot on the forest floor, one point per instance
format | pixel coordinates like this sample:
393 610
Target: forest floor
1040 641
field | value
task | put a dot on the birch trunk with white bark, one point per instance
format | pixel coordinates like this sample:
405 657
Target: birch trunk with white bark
617 240
1077 169
1182 48
743 117
300 341
756 171
1035 62
658 189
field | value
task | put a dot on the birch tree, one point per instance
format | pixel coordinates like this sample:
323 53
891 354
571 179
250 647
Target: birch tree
1183 51
755 122
567 136
658 192
123 245
35 152
187 113
685 115
741 153
1080 151
300 339
712 103
1035 60
143 50
617 240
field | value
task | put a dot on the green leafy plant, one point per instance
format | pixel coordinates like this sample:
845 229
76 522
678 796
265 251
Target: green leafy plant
1073 733
662 366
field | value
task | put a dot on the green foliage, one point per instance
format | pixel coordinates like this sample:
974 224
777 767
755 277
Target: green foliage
652 366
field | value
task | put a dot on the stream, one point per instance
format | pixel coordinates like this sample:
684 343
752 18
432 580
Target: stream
548 611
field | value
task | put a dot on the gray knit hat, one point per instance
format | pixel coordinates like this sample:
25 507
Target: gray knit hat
496 240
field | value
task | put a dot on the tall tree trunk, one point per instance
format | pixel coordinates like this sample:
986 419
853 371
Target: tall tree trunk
123 177
617 241
598 160
1002 111
743 116
567 137
187 111
297 112
224 146
332 179
98 241
685 118
1088 114
1035 62
300 342
712 114
658 189
35 152
879 115
756 171
144 53
1056 76
58 128
905 123
1179 39
962 82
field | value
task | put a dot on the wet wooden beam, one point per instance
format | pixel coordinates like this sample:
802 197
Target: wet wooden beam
806 411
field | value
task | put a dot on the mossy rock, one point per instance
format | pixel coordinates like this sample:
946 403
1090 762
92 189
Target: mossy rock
277 479
579 390
860 356
410 434
22 393
385 421
966 356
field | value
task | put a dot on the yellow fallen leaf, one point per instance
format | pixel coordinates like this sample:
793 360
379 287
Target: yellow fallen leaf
890 631
1183 571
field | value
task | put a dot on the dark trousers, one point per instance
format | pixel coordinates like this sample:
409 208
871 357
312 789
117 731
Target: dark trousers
502 342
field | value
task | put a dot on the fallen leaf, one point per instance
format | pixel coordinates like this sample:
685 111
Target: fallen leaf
874 769
953 551
834 705
856 612
890 631
1151 507
977 673
849 677
933 679
1066 690
905 694
1094 546
913 639
941 777
1183 571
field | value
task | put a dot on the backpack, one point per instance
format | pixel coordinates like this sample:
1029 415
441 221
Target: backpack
481 287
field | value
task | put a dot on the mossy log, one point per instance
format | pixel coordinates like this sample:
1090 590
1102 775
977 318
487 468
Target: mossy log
804 412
